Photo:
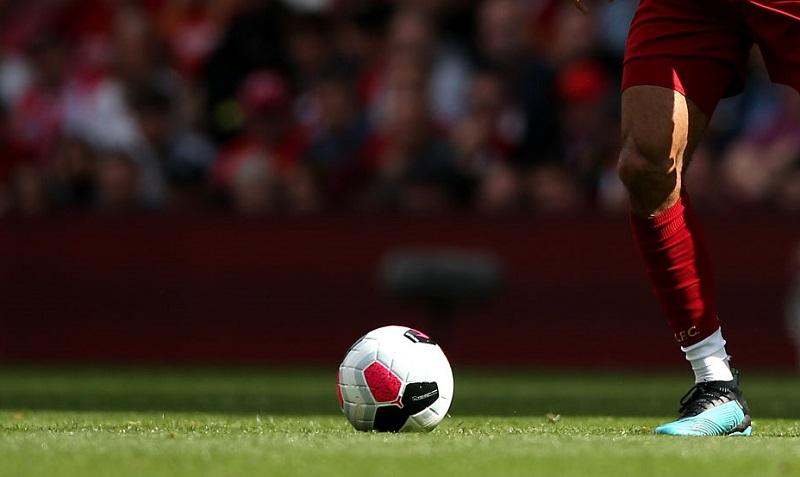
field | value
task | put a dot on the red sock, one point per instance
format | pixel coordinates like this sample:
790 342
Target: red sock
679 269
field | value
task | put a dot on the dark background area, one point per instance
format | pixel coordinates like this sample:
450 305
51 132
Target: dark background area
301 290
294 107
223 181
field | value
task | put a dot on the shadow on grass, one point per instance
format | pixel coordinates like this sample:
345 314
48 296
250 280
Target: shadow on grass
311 392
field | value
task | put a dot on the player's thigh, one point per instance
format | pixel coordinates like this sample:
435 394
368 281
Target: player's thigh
660 129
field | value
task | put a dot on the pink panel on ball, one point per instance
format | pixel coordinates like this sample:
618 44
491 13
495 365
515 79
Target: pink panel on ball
383 383
339 392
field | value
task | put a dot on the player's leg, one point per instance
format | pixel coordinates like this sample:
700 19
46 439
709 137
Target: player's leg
682 56
661 128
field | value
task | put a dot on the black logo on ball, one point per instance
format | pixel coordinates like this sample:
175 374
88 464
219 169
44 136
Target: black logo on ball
416 398
418 337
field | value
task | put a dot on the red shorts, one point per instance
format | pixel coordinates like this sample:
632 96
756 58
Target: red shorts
700 48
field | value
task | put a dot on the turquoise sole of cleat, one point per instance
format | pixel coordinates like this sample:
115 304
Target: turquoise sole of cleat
744 433
712 422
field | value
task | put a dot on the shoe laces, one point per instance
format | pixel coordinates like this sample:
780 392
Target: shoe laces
702 396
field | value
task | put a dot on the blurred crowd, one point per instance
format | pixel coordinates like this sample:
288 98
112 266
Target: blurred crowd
256 107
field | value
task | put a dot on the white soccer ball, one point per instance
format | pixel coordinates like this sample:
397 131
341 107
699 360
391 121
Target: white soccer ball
395 379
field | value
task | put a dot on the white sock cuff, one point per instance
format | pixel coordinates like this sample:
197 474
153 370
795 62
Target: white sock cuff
708 347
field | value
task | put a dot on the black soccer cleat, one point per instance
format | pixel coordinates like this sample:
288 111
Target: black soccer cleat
714 408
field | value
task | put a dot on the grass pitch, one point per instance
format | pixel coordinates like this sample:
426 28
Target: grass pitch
127 422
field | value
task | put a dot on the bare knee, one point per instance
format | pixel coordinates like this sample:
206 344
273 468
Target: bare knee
642 162
660 129
651 174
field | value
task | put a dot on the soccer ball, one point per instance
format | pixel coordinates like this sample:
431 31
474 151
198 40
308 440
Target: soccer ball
395 379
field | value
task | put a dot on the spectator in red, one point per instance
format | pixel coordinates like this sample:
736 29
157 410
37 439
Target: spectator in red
37 119
21 24
590 139
22 188
89 27
270 138
254 40
192 30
